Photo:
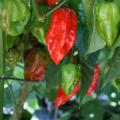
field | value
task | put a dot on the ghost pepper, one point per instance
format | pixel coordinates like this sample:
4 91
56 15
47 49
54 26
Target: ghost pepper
70 84
36 62
107 21
61 35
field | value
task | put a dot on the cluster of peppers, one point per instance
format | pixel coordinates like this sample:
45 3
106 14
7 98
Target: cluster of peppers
59 40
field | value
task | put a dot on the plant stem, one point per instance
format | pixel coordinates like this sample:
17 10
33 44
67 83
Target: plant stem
19 79
1 73
56 7
26 87
41 17
56 114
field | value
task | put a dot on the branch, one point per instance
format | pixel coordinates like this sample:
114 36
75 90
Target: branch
26 87
18 79
41 17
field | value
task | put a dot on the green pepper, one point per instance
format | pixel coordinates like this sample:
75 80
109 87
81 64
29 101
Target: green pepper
15 16
107 21
70 77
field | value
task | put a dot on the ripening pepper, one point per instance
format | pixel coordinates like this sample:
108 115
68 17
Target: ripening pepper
36 62
52 2
70 84
61 35
15 16
107 21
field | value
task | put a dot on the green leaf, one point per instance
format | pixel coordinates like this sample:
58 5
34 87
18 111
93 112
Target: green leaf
10 41
8 102
31 103
19 71
82 38
113 49
88 8
92 111
74 4
53 78
65 116
95 42
114 71
40 89
87 73
16 16
115 117
114 66
116 84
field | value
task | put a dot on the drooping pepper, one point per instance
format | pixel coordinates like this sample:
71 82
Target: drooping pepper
16 15
94 82
107 21
52 2
70 84
61 35
36 62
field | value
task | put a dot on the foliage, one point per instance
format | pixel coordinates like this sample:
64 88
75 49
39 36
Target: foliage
25 24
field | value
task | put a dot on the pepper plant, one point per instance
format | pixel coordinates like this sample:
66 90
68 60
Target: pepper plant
65 51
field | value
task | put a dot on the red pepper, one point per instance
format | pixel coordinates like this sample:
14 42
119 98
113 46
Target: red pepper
61 35
62 98
52 2
39 2
94 82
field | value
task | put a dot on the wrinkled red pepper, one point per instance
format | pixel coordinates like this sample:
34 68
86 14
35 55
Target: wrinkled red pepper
52 2
94 82
36 62
62 98
61 35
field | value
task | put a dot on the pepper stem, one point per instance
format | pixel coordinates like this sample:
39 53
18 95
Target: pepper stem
41 17
56 7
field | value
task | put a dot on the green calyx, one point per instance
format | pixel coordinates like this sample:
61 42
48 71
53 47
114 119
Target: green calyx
107 21
15 16
70 77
